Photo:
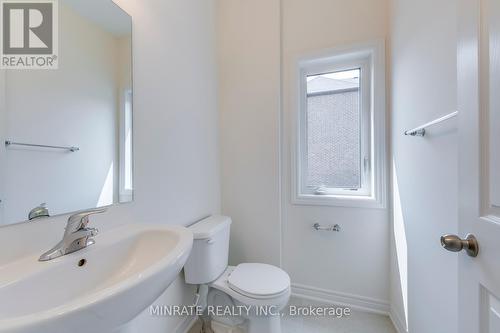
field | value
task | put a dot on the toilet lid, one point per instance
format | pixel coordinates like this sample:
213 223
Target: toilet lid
259 280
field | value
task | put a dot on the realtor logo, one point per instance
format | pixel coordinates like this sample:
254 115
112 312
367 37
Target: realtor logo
29 34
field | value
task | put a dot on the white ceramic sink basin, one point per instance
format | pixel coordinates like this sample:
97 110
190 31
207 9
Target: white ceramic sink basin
124 272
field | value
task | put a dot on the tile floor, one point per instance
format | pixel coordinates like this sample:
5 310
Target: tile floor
357 322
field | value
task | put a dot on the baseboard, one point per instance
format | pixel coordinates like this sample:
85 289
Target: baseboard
186 324
397 321
355 302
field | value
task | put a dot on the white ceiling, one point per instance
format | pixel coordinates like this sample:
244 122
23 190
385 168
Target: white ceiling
105 13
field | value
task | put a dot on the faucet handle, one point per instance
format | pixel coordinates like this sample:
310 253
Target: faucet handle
80 220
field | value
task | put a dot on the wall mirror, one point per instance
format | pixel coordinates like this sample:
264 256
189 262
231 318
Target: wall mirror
67 132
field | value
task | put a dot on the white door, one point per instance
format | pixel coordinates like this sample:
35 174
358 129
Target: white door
479 163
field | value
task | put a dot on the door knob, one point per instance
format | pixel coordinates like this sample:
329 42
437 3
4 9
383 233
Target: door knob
456 244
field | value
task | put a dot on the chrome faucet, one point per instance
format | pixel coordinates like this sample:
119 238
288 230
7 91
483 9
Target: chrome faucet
76 236
38 212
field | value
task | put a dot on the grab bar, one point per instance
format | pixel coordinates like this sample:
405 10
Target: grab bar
319 227
11 143
420 131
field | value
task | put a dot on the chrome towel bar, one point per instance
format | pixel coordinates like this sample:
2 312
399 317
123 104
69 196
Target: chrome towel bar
11 143
420 131
318 227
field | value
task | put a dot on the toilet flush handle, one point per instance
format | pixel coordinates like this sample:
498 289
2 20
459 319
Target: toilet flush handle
210 241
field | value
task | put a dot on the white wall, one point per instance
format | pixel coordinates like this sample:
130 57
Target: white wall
355 262
249 109
3 128
76 105
258 42
175 116
176 144
425 179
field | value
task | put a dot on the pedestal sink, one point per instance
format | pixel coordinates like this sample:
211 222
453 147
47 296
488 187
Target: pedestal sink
97 289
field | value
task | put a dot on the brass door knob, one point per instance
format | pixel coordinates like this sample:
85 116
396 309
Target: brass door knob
454 243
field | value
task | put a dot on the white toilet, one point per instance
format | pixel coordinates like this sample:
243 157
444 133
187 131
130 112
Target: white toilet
262 289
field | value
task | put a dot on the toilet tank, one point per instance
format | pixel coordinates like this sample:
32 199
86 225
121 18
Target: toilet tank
209 256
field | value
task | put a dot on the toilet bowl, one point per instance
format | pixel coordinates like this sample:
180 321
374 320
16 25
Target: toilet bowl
247 297
259 291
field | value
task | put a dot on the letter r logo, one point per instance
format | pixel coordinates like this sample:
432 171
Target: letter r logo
27 28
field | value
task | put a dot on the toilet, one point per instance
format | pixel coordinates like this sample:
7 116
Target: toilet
255 292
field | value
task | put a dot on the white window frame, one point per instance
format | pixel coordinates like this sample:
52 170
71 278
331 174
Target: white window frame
126 193
370 58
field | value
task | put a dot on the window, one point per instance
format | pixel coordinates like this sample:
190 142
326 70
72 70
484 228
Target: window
127 124
337 152
126 157
341 145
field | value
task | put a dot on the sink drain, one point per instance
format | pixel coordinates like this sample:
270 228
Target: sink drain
82 262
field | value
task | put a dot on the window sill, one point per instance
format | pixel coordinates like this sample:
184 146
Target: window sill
339 201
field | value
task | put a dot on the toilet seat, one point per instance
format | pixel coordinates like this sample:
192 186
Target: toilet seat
222 284
256 287
259 281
